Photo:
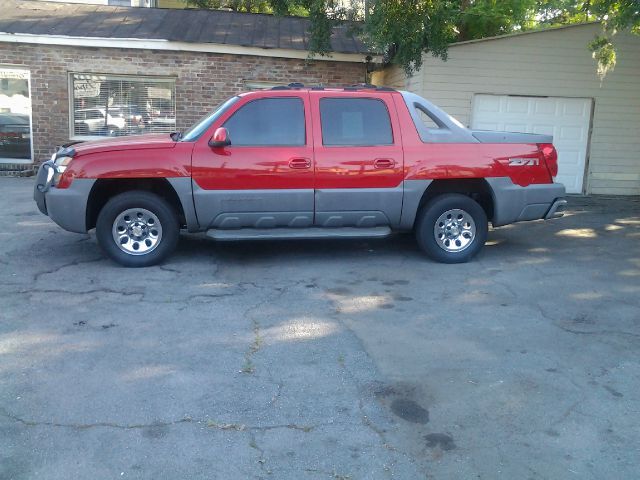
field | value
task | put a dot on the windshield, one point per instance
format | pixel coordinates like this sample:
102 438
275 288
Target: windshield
205 122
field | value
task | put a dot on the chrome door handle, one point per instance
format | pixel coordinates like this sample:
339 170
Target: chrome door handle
383 163
300 163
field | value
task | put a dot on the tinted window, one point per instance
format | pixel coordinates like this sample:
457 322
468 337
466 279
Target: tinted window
205 122
268 121
427 118
355 121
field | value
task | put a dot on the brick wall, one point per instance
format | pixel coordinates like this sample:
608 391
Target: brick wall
203 80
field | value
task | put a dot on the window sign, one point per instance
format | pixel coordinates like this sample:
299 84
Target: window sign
86 88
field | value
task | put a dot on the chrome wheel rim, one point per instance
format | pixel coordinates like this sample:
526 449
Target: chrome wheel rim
137 231
454 230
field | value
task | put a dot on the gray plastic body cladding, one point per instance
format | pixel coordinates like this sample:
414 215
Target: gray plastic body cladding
488 136
413 192
449 131
68 206
250 208
182 186
358 207
513 203
367 219
259 220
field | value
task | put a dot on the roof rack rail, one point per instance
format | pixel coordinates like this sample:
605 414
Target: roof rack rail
290 86
351 88
368 86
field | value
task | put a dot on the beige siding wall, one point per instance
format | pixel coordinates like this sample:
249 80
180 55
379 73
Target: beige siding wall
392 76
551 63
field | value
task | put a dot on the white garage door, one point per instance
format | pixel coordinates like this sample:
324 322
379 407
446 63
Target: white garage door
567 119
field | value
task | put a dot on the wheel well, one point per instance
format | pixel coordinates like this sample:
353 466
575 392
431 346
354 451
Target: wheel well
476 188
106 188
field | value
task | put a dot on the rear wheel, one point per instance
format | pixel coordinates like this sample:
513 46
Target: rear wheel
451 228
137 229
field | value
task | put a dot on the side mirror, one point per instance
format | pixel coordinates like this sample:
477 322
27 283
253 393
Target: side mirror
220 138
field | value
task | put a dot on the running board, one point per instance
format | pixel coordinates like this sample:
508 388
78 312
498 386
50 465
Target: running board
297 233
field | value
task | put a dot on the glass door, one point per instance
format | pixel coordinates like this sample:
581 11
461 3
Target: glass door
15 116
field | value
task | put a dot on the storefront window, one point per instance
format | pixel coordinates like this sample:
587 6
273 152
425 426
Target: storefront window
15 116
106 105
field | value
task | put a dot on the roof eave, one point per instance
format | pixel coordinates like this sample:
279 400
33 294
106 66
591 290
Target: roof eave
179 46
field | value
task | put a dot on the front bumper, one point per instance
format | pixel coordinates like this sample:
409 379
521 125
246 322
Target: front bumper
68 206
513 203
44 178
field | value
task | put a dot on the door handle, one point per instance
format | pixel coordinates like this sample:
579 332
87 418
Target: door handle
300 163
383 163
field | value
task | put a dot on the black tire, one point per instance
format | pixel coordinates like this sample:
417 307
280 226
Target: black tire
426 224
167 239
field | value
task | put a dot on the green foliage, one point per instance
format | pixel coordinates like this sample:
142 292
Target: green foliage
488 18
250 6
616 15
604 53
407 28
404 30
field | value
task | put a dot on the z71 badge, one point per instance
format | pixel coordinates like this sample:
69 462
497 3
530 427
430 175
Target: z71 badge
523 162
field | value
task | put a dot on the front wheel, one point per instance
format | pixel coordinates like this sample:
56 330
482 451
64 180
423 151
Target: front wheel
451 228
137 229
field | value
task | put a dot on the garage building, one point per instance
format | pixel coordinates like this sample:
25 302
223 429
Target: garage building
546 82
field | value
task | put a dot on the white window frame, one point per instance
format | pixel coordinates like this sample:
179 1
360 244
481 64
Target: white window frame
22 161
141 78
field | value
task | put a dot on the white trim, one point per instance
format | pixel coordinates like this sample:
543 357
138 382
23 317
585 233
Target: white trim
159 44
526 32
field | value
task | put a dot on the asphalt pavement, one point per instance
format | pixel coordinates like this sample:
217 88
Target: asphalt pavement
322 359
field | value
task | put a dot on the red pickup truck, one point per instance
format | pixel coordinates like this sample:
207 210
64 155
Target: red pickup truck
294 162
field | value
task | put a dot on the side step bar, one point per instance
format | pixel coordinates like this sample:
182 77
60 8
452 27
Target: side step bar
296 233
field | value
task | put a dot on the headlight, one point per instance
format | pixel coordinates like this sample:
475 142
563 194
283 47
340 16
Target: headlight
61 165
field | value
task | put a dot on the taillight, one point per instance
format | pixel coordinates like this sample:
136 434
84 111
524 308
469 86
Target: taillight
550 157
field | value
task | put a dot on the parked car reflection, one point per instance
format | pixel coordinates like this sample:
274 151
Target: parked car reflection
15 136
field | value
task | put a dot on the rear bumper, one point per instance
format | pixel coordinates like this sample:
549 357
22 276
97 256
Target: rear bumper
513 203
68 206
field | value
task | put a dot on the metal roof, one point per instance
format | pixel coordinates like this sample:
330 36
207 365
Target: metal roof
188 25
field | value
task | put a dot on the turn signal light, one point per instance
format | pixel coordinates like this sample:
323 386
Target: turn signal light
550 157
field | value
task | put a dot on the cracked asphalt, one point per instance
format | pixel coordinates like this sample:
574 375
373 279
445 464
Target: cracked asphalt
322 360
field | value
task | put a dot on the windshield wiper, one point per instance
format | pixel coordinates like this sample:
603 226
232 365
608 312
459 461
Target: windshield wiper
176 136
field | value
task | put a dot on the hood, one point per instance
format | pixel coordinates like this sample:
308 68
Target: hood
133 142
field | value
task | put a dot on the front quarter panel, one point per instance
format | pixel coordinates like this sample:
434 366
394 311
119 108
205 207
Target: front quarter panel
143 163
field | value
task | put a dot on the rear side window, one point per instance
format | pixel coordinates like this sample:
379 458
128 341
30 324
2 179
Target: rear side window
268 121
355 122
